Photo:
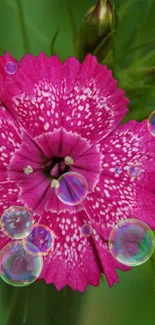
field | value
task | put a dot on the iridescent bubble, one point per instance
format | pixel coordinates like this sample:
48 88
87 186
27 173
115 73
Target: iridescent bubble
17 222
11 67
17 267
73 188
118 170
151 123
86 230
131 242
134 171
41 237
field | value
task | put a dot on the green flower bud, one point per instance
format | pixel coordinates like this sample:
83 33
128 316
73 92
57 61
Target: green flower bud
96 27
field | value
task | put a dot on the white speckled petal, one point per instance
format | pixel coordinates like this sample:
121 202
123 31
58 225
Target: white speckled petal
118 196
45 95
9 141
73 260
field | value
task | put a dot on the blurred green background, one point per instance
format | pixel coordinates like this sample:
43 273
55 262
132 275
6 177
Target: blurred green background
132 301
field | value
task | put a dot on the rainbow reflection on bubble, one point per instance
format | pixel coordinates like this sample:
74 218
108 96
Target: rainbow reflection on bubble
11 67
72 189
41 237
86 230
17 222
131 242
151 123
17 267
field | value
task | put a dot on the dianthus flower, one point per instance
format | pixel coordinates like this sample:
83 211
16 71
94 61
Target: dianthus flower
56 118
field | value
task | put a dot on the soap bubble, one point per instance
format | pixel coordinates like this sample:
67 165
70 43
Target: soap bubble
86 230
72 189
41 237
11 67
17 222
131 242
17 267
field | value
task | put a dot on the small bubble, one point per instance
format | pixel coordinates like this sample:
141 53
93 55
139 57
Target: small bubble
131 242
17 267
118 170
134 171
11 67
73 188
86 230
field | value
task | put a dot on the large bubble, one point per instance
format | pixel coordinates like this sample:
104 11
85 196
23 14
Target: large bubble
131 242
72 189
17 267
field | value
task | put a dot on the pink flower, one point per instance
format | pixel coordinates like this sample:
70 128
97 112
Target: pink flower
50 111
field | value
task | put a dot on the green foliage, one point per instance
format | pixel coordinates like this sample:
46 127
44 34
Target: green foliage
51 26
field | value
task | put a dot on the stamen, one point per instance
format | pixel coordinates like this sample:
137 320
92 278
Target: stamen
69 160
54 183
28 170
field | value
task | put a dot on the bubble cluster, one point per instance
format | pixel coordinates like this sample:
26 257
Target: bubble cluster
41 237
17 267
72 189
16 222
134 171
86 230
11 67
151 123
131 242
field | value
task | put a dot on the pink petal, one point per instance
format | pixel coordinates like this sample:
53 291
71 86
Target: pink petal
44 94
9 194
130 145
73 260
4 59
109 264
34 190
9 140
35 95
29 154
93 104
120 196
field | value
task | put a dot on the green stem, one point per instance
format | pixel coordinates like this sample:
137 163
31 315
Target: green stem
107 57
28 291
23 26
152 260
53 42
11 307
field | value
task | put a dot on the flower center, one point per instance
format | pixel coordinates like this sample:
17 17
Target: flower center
55 167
